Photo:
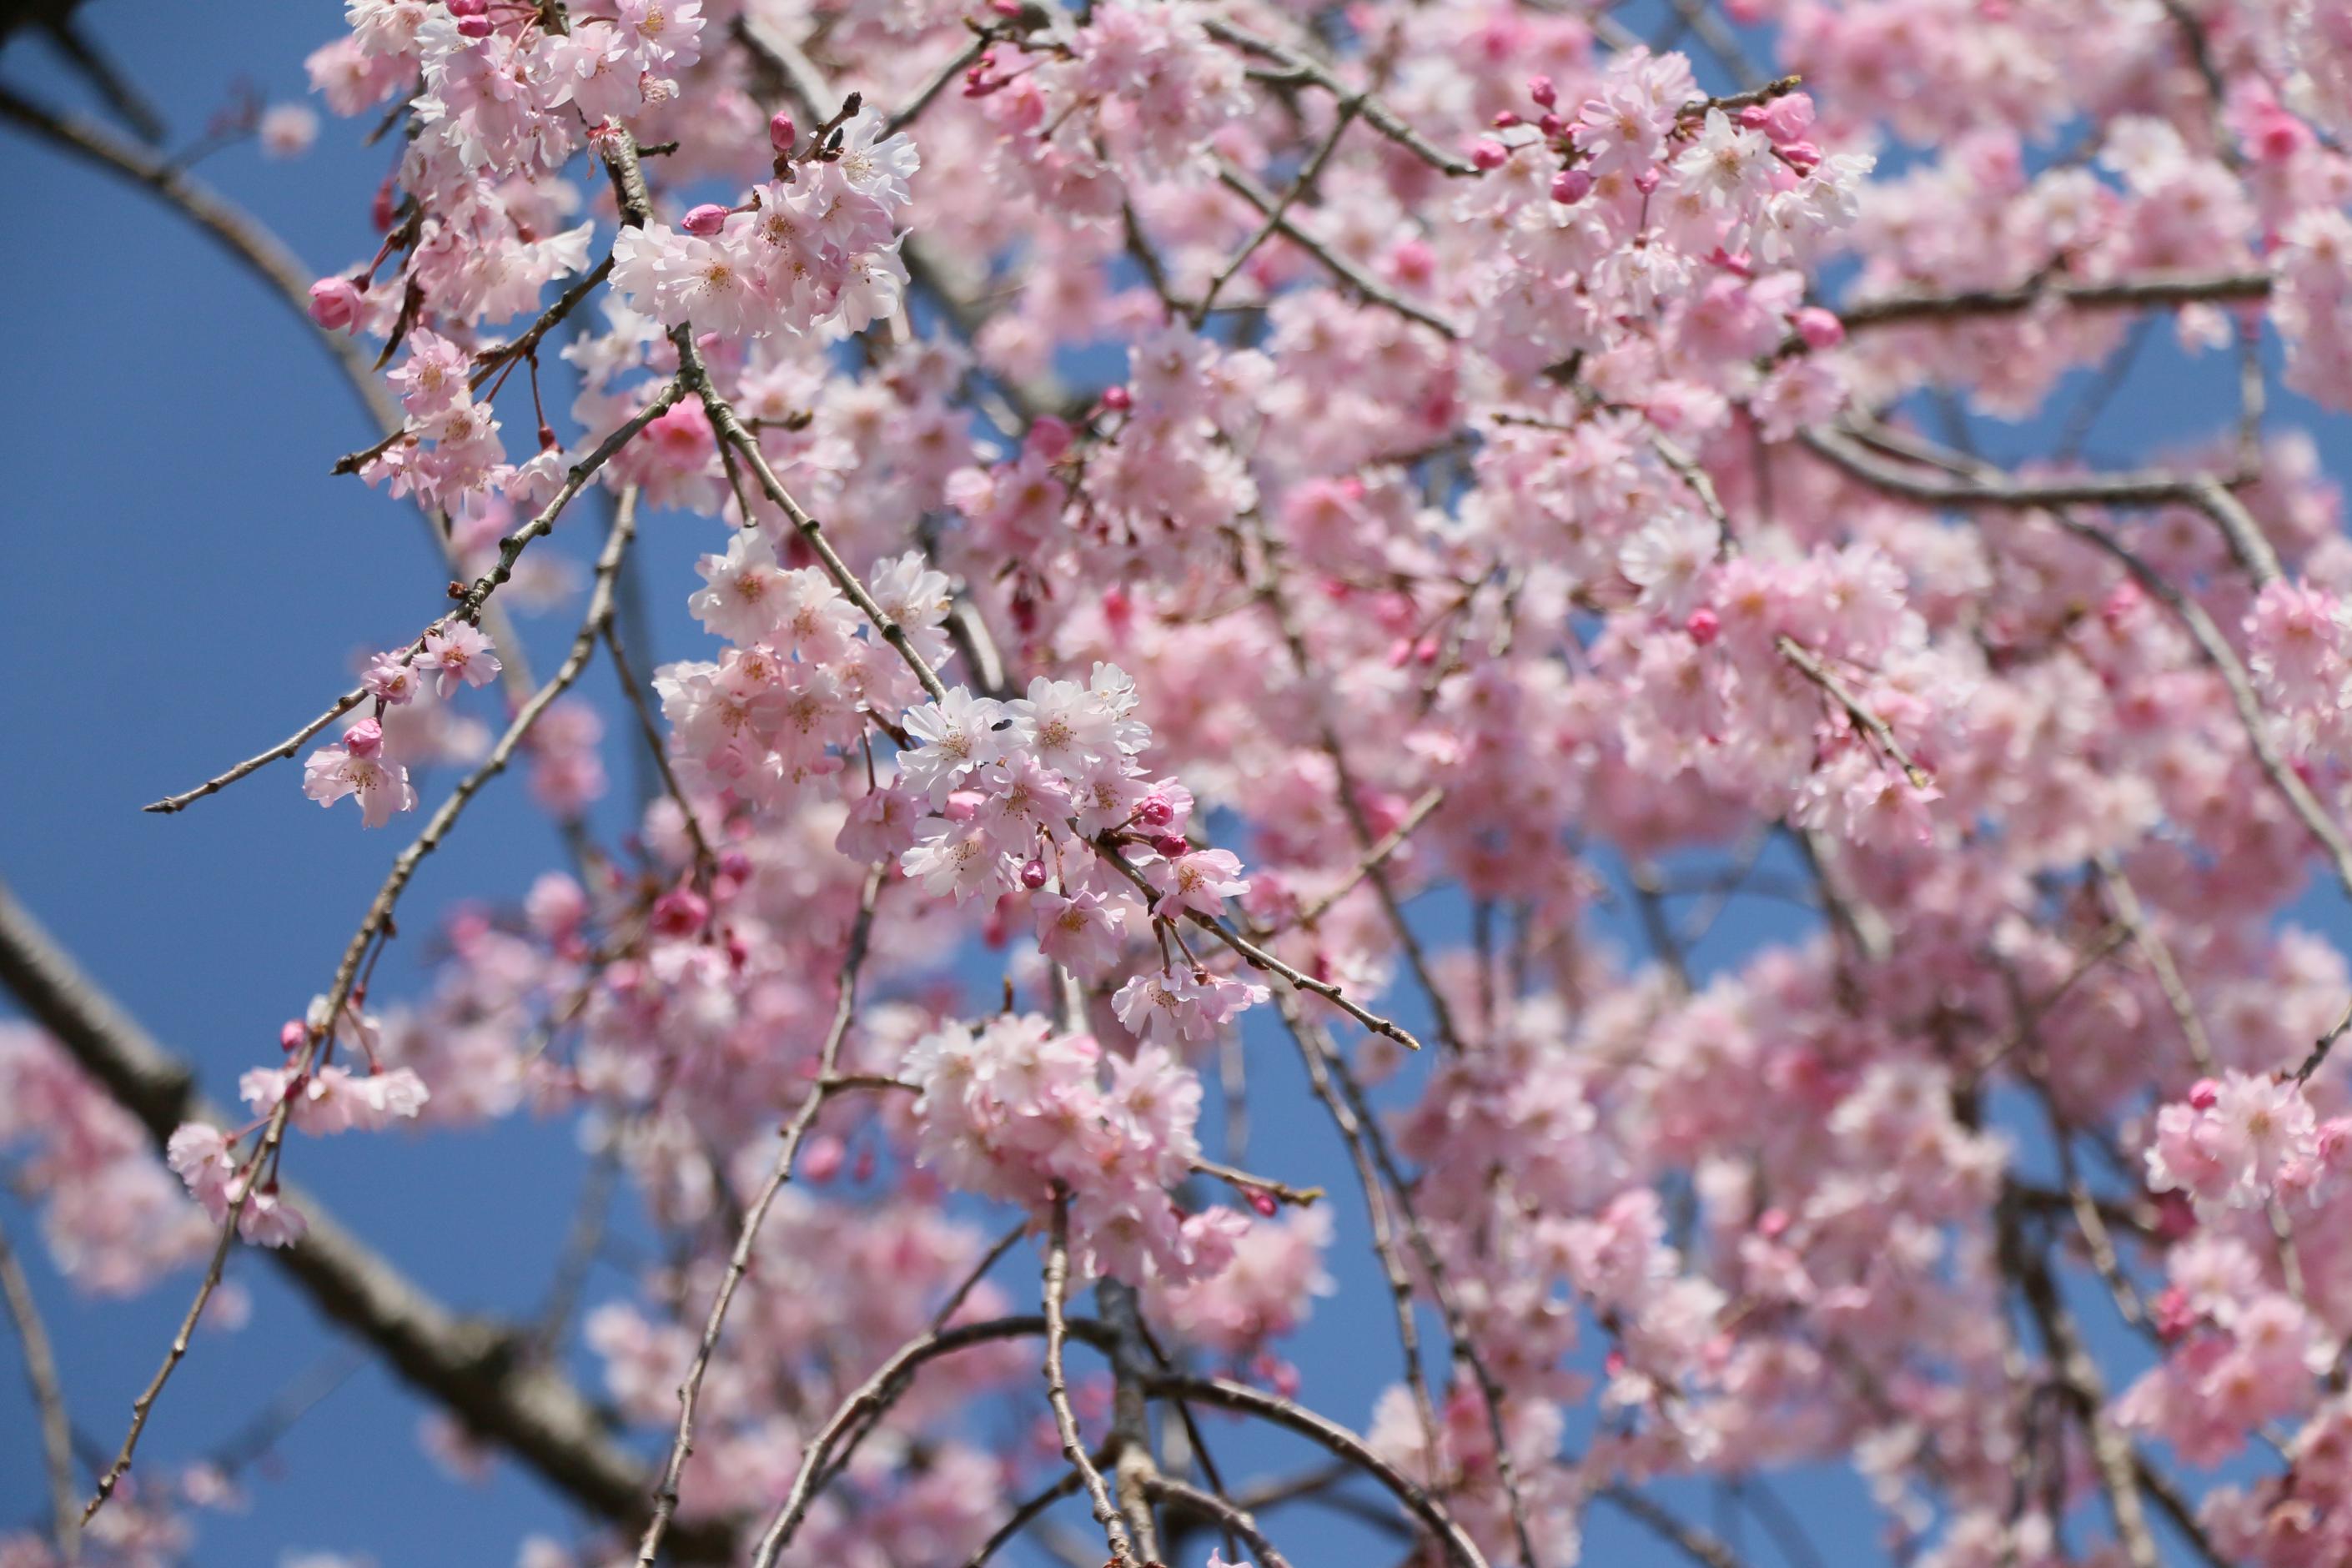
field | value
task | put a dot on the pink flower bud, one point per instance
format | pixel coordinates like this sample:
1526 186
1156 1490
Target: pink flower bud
823 1159
364 738
1260 1200
1551 124
1118 399
1157 810
1786 117
1488 154
2204 1093
1505 119
1646 181
1754 115
473 26
1821 329
736 864
1541 90
1703 626
705 220
1174 845
469 8
294 1035
1050 436
1801 156
334 303
1570 187
1008 9
783 134
1032 873
681 911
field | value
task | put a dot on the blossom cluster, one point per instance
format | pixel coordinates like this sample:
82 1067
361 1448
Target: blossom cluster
1015 1112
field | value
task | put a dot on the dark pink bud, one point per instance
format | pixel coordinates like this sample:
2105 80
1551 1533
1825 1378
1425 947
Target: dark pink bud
1505 119
824 1157
1570 187
1646 181
2204 1093
1541 90
1050 436
1174 845
1772 1224
1821 329
1118 399
364 738
736 864
1488 154
681 911
2171 1314
1008 9
1157 810
705 220
1551 124
1032 873
1261 1200
1801 156
1754 115
294 1035
473 26
1703 626
334 303
469 8
783 134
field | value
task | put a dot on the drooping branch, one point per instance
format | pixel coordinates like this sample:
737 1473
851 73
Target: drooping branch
738 1263
260 1161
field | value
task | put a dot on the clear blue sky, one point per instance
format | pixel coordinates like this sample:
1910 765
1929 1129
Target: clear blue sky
181 581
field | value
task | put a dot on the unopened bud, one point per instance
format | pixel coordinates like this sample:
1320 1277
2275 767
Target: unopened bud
1157 809
705 220
783 134
1821 329
334 303
1570 187
1486 153
1541 90
364 738
473 26
1174 845
293 1034
1118 399
1032 873
680 912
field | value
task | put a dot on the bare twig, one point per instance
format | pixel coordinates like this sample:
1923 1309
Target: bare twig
1115 1533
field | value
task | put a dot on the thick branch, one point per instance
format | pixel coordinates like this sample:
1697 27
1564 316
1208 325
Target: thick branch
465 1364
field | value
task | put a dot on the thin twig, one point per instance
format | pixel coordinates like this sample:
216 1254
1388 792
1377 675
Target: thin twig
1058 1389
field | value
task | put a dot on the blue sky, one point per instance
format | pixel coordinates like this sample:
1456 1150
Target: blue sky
181 580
